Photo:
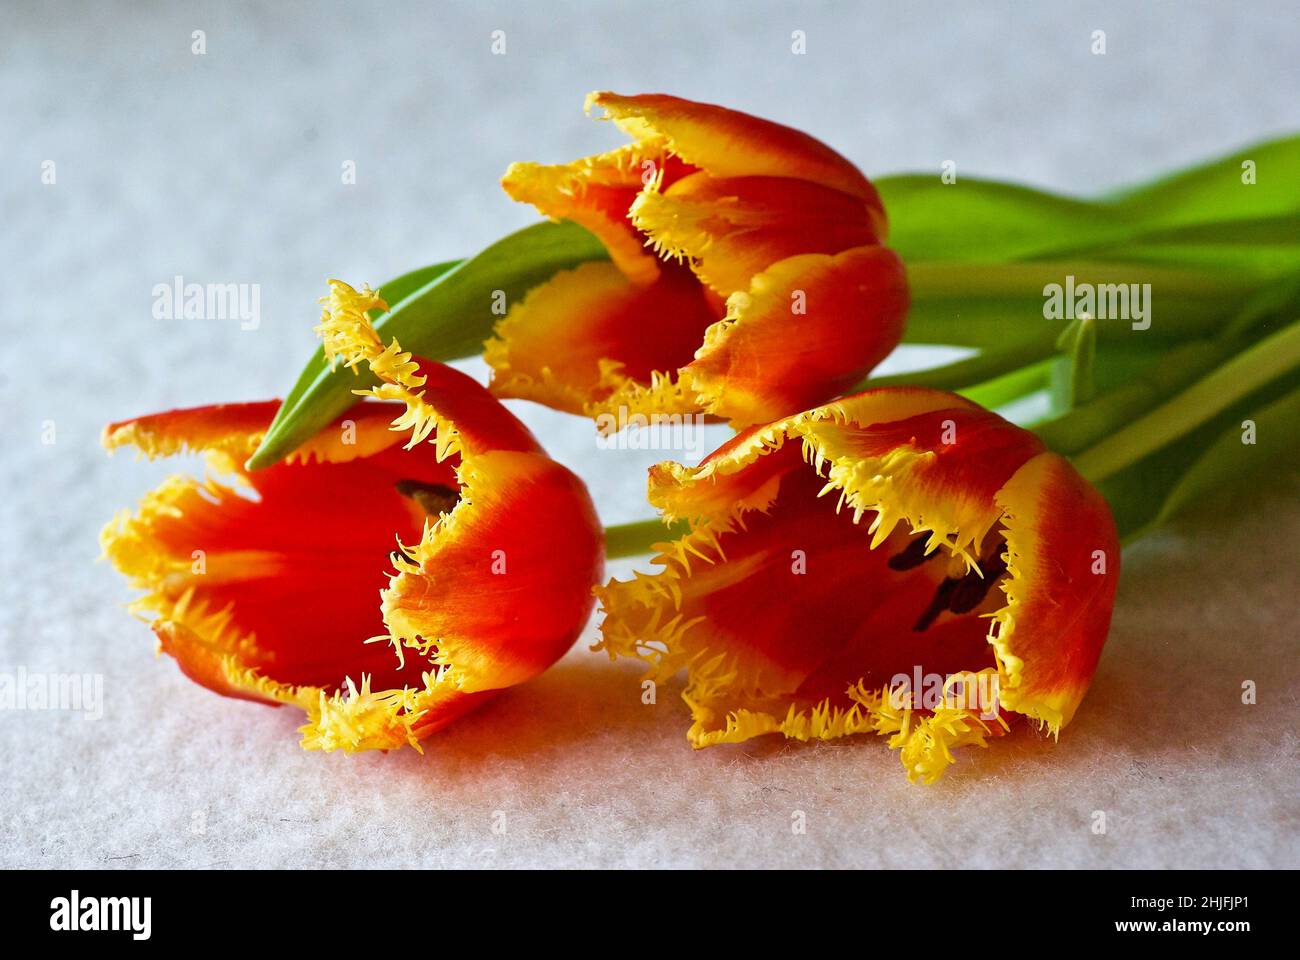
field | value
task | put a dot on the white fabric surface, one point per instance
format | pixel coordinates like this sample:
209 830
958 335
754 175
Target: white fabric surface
226 168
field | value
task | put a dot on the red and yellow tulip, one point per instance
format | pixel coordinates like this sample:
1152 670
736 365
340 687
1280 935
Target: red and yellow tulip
747 277
901 561
894 534
269 586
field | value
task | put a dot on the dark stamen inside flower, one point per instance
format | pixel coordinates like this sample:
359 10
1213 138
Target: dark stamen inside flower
973 588
913 555
963 594
434 498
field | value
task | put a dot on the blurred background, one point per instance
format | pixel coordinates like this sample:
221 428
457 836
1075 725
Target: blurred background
226 167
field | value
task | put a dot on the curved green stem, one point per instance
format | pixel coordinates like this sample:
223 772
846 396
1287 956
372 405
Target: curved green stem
969 371
1011 386
638 538
1089 423
444 313
1228 383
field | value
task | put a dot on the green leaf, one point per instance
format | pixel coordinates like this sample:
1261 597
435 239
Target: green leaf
1119 364
1211 461
1263 262
446 318
1273 302
1010 387
639 537
986 221
393 292
983 305
1269 359
976 220
1214 191
1230 462
968 371
1124 400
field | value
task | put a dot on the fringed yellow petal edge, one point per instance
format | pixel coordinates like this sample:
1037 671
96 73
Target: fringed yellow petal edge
350 719
349 338
558 191
355 717
635 624
340 721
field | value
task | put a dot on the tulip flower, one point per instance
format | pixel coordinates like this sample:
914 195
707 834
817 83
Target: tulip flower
729 191
746 276
275 587
838 559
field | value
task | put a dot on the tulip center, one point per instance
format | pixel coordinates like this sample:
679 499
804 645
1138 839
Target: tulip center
954 594
435 499
802 607
300 566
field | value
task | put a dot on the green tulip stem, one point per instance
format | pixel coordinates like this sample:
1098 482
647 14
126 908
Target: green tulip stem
1256 366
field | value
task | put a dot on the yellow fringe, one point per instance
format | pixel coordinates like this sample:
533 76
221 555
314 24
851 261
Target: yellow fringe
643 617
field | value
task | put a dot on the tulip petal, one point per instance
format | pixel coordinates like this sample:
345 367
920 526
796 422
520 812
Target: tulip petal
806 328
595 192
224 565
277 594
493 590
441 402
1063 553
758 213
728 143
223 431
895 534
732 229
587 340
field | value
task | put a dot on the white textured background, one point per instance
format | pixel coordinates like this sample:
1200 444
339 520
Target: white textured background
226 168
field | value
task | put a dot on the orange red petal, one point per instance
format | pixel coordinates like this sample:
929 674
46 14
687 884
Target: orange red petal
893 534
729 143
807 328
576 340
731 229
757 213
1064 551
383 589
